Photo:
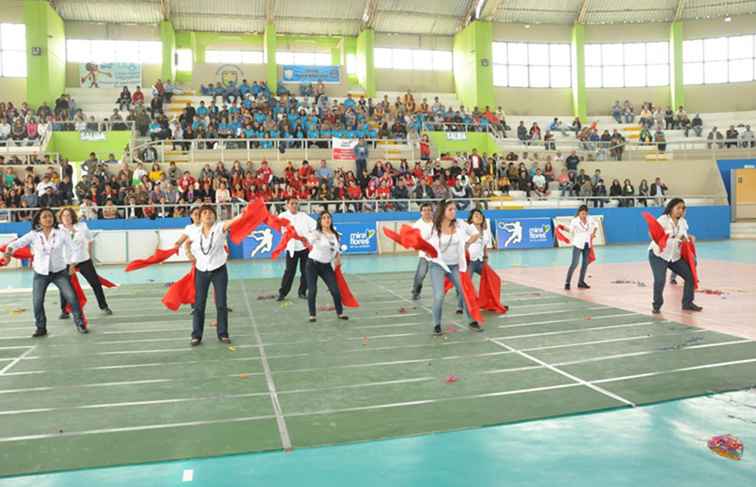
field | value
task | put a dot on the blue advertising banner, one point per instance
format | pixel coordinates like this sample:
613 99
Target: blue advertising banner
524 233
260 243
311 74
358 238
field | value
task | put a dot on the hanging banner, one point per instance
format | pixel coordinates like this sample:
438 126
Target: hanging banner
358 238
343 149
456 135
524 233
110 75
311 74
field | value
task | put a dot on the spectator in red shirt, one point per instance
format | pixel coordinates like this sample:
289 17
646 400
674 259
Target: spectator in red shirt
305 171
264 174
137 96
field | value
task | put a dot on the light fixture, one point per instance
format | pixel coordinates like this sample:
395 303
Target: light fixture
728 19
527 26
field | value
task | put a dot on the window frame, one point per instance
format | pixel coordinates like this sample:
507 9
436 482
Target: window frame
627 59
711 70
510 59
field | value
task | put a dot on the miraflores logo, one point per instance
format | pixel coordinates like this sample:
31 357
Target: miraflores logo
539 234
361 239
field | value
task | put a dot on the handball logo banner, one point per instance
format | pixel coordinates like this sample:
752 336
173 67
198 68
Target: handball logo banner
110 75
358 238
524 233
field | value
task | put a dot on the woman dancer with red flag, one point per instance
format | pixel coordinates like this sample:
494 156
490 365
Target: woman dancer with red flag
450 237
50 246
478 249
322 259
82 240
668 256
582 231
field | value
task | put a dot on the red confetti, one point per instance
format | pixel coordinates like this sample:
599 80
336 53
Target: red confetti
452 379
326 308
453 329
588 318
266 296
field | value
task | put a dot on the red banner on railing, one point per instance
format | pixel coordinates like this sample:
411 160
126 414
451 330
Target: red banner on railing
343 149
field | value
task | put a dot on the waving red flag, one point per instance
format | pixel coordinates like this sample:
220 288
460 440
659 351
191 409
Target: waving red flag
656 230
159 256
276 223
468 293
180 292
591 251
80 296
22 253
688 254
286 237
106 283
489 297
347 298
254 214
561 234
410 238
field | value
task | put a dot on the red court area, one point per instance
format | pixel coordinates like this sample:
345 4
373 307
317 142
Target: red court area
727 292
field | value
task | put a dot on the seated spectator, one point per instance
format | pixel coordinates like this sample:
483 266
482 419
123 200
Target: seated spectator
109 211
658 189
731 137
628 112
599 193
615 191
643 190
661 140
714 135
617 111
137 98
540 187
696 125
124 99
628 190
747 138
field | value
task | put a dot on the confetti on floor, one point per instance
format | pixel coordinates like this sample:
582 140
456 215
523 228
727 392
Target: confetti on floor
452 379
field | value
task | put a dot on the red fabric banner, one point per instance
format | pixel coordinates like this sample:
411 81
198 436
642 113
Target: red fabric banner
347 298
561 234
410 238
468 292
22 253
254 214
180 292
159 256
656 230
489 297
106 283
688 254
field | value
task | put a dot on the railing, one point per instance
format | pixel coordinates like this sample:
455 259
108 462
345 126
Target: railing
233 207
92 125
26 159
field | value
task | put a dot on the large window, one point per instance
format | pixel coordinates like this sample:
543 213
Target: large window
233 57
415 59
627 65
184 60
304 58
13 50
96 51
351 64
719 60
518 64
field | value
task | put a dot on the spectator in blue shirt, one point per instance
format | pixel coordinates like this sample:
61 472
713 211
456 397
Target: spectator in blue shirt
361 155
324 173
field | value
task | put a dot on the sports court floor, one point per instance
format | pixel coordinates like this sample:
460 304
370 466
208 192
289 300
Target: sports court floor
581 385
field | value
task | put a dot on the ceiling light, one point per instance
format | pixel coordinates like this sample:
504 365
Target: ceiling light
527 26
728 19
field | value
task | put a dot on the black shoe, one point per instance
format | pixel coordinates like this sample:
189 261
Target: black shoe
280 298
225 340
583 285
655 310
82 329
437 331
692 307
302 296
566 287
459 311
312 319
673 281
229 310
343 317
107 311
196 341
475 326
40 332
64 315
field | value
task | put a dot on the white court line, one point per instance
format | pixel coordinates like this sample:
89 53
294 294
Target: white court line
548 322
683 369
576 330
15 347
16 360
280 421
593 308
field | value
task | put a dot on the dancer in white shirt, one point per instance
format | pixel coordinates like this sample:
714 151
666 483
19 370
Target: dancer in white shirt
478 249
49 246
82 240
296 252
582 230
676 228
425 225
321 261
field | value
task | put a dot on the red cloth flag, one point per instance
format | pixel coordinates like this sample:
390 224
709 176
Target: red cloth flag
80 296
656 230
410 238
688 254
254 214
591 251
490 291
22 253
105 282
286 237
180 292
276 223
468 293
561 234
347 298
159 256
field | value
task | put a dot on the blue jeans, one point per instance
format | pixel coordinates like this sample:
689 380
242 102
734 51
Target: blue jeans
202 280
659 268
62 281
576 253
313 270
423 265
476 267
438 274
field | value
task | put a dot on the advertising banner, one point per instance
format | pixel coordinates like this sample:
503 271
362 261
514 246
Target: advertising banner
311 74
343 149
260 243
524 233
358 238
110 75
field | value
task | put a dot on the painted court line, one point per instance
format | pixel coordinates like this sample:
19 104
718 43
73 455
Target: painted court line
593 308
577 330
672 371
549 322
280 421
16 360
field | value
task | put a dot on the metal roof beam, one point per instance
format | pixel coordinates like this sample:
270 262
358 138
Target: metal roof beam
269 9
368 14
165 9
469 14
680 9
583 12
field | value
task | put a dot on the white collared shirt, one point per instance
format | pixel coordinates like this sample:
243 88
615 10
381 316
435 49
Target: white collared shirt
675 234
477 248
49 253
325 248
208 250
303 223
581 232
80 237
451 248
426 228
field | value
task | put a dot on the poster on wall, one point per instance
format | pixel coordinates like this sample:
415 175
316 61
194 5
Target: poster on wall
260 243
600 234
311 74
358 238
343 149
229 73
110 75
524 233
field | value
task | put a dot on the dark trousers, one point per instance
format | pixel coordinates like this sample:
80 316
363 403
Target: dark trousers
576 253
475 267
423 265
659 268
202 280
62 281
299 257
317 269
361 165
87 270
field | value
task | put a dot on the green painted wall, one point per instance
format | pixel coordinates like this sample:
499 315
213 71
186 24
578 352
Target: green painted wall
579 100
70 145
350 48
46 74
473 68
676 86
365 61
484 142
168 38
269 45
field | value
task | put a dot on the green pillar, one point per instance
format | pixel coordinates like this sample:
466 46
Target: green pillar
579 100
46 73
168 38
336 56
365 63
473 71
676 86
269 45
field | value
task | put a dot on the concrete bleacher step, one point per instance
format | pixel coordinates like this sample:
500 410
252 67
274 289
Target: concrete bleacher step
745 230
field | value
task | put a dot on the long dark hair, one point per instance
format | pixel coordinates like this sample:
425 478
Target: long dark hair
319 224
438 217
35 221
582 208
672 203
483 225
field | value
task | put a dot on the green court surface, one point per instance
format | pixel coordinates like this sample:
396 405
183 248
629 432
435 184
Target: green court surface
134 391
